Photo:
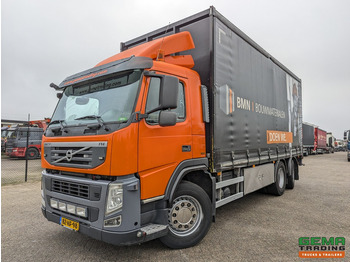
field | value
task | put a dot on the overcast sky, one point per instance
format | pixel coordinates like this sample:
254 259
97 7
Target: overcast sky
45 41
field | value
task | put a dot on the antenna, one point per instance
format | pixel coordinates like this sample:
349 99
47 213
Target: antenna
160 55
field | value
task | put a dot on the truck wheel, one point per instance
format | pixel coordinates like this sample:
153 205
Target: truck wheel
279 186
189 216
32 153
291 177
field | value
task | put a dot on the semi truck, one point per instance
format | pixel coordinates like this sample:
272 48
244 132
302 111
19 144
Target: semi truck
151 141
308 138
347 143
330 142
24 142
4 131
320 141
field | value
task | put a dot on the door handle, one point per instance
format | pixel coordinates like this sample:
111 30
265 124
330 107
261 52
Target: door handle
186 148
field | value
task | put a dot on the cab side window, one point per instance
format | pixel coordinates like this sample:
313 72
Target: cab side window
153 102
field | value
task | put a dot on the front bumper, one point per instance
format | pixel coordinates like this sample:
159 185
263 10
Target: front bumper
15 152
116 238
128 232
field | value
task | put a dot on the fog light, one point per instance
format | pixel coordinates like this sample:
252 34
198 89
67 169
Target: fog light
62 206
113 222
81 211
71 209
53 203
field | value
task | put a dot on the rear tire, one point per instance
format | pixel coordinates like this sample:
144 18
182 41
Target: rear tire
291 177
279 186
189 216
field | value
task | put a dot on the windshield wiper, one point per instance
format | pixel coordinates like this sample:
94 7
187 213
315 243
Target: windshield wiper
99 120
88 117
56 122
57 129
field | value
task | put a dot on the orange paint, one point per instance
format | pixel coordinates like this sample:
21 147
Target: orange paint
103 169
152 151
169 45
160 150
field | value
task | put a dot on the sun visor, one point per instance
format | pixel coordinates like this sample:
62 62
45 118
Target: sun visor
110 68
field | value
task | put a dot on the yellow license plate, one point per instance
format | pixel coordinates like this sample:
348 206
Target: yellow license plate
69 223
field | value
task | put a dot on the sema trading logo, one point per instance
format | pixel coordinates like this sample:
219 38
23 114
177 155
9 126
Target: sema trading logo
322 247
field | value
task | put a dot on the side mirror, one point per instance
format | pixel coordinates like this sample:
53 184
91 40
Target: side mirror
167 118
168 91
345 136
169 87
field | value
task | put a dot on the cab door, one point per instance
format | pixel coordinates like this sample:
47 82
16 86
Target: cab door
161 149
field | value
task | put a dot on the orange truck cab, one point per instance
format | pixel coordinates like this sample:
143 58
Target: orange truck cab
149 142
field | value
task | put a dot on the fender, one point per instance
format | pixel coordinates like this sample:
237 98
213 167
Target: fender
185 168
181 170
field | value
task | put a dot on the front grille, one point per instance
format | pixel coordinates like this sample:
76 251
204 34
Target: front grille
76 154
70 188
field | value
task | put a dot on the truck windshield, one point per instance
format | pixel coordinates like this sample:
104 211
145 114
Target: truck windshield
12 134
109 100
4 133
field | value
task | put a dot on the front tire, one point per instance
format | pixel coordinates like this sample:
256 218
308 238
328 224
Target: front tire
189 216
32 153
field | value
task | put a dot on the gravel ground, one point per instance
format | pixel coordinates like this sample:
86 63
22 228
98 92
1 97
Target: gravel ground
257 227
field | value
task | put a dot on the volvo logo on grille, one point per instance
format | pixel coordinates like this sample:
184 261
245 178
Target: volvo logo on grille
69 155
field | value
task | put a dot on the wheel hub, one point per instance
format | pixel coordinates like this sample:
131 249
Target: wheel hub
184 215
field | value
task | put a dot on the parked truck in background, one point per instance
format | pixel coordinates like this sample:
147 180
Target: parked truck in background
320 141
149 142
347 142
4 131
330 142
17 139
25 140
308 138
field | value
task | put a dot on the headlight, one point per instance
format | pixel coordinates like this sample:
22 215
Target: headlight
115 198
